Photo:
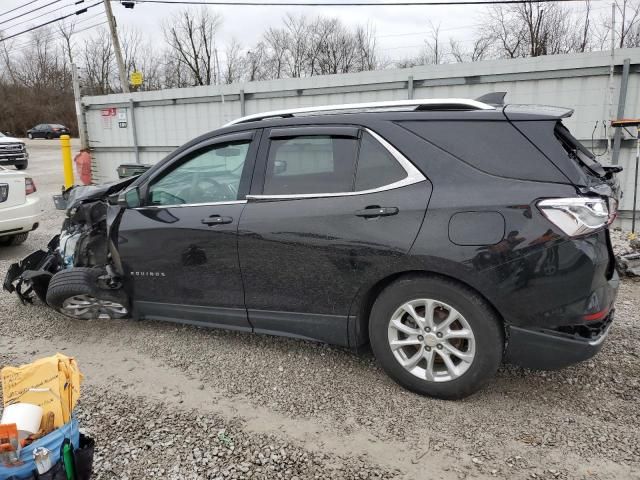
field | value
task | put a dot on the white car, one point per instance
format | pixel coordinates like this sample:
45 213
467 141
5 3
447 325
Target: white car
13 151
19 207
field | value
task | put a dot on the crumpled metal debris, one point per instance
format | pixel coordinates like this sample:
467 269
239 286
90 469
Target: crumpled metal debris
628 264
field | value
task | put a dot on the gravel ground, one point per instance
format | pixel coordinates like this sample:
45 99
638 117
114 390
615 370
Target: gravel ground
169 401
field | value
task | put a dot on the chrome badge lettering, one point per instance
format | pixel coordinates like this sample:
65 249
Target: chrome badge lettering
148 274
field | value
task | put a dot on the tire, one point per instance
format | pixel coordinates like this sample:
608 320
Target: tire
76 293
483 348
22 166
14 240
30 136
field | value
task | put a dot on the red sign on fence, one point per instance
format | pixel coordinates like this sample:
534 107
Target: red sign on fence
109 112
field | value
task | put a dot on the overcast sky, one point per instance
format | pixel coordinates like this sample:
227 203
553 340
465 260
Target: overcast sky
400 30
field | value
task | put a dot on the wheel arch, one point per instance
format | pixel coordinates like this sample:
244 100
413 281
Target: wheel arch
362 304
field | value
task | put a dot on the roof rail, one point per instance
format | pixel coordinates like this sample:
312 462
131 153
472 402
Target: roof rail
423 104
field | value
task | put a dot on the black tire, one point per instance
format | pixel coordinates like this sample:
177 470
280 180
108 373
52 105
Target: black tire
486 327
75 282
14 240
22 166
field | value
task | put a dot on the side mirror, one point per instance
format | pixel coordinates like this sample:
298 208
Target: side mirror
279 166
130 198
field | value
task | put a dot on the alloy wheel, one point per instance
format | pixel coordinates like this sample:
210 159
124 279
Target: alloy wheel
88 307
431 340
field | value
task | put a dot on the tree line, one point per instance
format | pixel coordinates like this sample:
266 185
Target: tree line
35 73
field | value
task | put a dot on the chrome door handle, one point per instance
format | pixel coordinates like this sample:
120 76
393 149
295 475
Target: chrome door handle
376 211
216 220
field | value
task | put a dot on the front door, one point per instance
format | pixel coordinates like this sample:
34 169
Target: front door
179 248
339 208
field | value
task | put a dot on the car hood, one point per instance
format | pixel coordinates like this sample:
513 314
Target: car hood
88 193
10 140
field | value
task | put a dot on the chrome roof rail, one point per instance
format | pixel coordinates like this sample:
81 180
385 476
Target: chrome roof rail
420 104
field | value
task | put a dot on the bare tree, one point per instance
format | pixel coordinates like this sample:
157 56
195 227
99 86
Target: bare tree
191 38
98 61
234 66
479 50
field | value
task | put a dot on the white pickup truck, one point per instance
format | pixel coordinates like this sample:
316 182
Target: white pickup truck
13 151
19 207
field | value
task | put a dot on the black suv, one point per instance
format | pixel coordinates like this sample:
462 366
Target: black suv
450 235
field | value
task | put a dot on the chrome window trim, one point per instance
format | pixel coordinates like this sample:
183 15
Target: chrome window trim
389 105
182 205
413 176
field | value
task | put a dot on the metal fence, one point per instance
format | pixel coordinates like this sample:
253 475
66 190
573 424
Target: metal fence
142 127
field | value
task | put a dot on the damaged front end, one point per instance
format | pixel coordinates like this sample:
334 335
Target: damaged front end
87 241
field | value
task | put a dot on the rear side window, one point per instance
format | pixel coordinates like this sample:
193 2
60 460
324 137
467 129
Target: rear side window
496 148
310 164
376 166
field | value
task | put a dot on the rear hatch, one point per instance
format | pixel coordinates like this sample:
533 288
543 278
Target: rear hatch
544 128
12 188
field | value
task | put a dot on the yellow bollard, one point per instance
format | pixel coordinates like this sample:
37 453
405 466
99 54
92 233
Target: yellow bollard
67 164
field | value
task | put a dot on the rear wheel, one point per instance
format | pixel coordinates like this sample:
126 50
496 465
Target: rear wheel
436 337
77 293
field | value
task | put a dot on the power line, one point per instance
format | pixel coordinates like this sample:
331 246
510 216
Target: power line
56 9
56 35
350 4
18 7
30 11
22 48
77 12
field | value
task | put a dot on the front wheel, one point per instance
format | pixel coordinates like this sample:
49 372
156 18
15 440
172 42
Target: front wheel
436 337
77 293
22 166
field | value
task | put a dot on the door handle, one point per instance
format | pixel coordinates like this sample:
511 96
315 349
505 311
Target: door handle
216 220
374 211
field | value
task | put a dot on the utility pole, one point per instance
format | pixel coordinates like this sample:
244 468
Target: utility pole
611 86
79 112
124 82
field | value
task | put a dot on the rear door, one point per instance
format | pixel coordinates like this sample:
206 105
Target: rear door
180 248
331 209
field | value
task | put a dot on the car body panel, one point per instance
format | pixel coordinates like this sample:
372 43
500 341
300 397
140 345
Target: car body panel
19 212
311 268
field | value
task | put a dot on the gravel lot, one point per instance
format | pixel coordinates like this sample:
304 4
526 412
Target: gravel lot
168 401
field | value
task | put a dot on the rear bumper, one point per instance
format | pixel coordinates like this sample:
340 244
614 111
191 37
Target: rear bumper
21 218
555 348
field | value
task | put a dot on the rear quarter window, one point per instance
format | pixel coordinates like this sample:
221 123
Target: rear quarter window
496 148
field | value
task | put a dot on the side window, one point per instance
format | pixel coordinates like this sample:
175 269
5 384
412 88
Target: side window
209 175
310 164
376 166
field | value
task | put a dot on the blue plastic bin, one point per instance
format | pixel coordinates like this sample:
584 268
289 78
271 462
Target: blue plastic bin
52 442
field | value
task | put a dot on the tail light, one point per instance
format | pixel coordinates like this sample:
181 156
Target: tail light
29 186
577 216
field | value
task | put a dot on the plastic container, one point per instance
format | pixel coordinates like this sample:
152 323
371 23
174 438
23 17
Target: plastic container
52 442
26 416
